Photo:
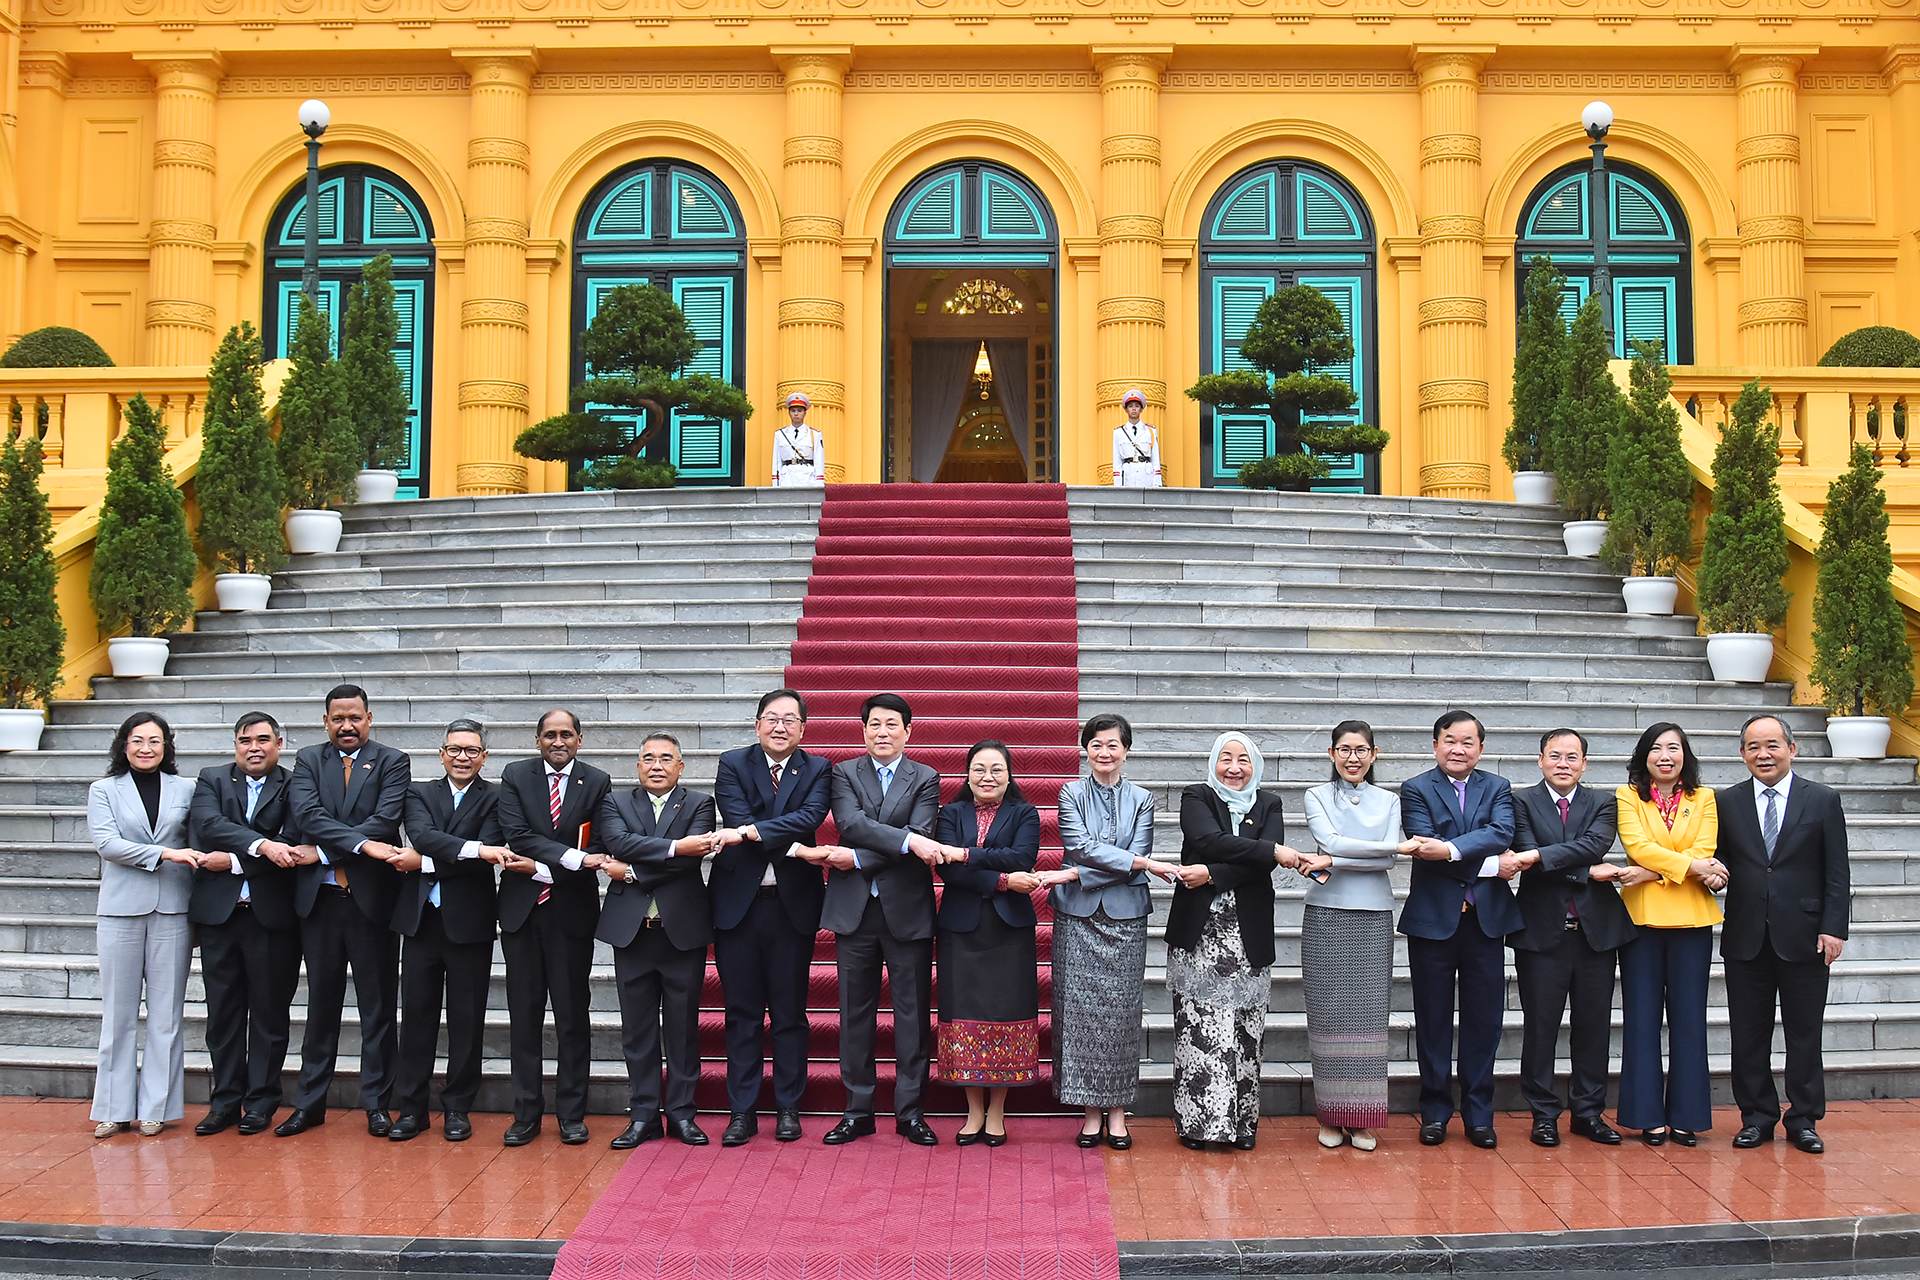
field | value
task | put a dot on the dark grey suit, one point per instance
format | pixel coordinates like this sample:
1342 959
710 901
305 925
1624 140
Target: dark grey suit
882 915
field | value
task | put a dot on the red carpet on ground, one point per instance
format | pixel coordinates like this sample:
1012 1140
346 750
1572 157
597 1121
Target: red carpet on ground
878 1209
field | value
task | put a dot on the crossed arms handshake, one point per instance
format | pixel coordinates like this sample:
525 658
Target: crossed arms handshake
276 852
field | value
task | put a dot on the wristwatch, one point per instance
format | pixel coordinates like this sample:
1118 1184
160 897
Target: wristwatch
629 876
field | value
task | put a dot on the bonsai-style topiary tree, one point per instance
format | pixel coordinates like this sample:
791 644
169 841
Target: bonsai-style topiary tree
1861 659
1877 346
1746 545
239 484
56 347
31 635
637 349
143 558
319 452
1294 331
375 390
1586 419
1539 370
1650 528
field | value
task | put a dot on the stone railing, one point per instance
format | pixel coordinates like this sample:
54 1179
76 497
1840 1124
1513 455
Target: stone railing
79 413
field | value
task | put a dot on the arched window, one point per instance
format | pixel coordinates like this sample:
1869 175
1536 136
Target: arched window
364 212
1278 224
1647 251
674 226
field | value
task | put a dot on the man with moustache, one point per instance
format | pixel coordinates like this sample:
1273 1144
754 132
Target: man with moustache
348 796
766 910
658 923
243 910
445 918
549 905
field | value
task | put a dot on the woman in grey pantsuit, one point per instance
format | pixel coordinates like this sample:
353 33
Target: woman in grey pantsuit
137 816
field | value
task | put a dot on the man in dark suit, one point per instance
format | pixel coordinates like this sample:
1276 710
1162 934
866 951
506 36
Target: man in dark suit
766 910
1575 925
1783 839
1459 909
879 904
445 916
348 796
242 908
658 923
549 905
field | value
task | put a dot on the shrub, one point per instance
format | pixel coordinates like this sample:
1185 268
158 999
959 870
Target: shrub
239 484
1746 545
1539 370
56 347
32 638
1650 528
1861 660
375 390
142 559
319 453
1586 419
1877 346
628 473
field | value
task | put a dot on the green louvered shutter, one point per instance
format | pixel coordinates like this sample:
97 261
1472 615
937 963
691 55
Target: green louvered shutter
700 445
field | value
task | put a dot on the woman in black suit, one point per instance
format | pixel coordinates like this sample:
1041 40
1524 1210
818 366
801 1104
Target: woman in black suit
1220 944
989 969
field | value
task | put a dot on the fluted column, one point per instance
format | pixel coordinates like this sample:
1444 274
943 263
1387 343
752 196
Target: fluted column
1131 317
1454 448
180 316
812 316
493 318
1773 235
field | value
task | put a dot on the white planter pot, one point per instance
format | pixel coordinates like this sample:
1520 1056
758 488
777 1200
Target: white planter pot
20 728
136 656
1859 737
1742 656
241 592
378 486
1533 488
1650 595
1583 537
312 532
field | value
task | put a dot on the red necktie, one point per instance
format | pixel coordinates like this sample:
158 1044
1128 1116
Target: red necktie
1573 912
776 779
553 811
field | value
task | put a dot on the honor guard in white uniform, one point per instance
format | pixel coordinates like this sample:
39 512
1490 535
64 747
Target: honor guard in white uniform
799 454
1136 447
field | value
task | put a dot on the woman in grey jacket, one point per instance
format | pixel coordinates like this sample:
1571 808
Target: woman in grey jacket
137 816
1346 940
1100 907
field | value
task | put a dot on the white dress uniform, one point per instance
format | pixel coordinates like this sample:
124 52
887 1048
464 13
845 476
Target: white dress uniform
1136 455
799 456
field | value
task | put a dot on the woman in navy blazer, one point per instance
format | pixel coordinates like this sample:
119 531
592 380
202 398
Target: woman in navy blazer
989 967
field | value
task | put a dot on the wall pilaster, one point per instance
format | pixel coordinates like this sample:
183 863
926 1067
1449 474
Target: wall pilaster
1773 233
180 314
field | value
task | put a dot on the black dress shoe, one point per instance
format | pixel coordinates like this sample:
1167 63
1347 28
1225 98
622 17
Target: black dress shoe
1483 1136
1654 1137
521 1132
300 1121
638 1132
917 1132
1683 1137
1193 1144
1546 1133
1596 1130
406 1127
1245 1143
994 1139
255 1122
740 1129
215 1121
966 1138
786 1127
379 1124
1751 1136
1808 1141
1119 1141
685 1130
848 1129
1433 1133
574 1132
455 1127
1084 1140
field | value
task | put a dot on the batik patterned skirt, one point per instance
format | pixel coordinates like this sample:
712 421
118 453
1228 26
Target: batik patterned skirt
1346 966
989 1004
1219 1017
1099 971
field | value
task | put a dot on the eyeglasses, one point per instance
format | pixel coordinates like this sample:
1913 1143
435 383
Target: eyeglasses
780 722
1564 757
1353 753
463 753
988 771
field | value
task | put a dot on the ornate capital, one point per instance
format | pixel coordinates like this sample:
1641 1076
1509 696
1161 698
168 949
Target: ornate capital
1131 64
1461 62
498 68
1764 64
184 69
45 69
813 64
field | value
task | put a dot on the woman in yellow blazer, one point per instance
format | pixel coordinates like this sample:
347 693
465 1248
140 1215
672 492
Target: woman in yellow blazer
1669 828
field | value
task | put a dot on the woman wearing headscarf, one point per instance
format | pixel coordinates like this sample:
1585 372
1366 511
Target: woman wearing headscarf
1220 945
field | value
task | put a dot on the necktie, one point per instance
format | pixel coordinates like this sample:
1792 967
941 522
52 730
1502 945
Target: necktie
659 803
776 779
553 814
346 783
253 803
1573 912
1770 824
433 894
1460 795
886 780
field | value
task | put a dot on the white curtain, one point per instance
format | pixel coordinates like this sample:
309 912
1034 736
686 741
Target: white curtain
942 372
1008 356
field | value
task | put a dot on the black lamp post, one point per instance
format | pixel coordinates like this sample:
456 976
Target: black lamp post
1596 119
314 118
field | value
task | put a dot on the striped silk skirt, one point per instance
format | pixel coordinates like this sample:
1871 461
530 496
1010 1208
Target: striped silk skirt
1346 966
1099 972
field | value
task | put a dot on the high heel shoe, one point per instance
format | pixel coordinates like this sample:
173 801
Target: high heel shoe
1088 1141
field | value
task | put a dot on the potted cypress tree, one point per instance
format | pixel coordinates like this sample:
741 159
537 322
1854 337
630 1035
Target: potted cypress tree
376 393
318 450
1650 524
1584 421
239 483
1745 556
1861 659
1539 379
143 557
31 636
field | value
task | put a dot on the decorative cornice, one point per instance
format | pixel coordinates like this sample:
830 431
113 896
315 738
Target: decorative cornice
338 86
1610 81
973 81
657 82
1216 80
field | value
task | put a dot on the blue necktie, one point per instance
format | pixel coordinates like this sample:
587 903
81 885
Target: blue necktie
433 894
1460 794
886 782
253 803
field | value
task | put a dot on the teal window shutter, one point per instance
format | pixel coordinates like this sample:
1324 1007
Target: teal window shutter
1562 213
934 214
1643 312
626 212
1006 212
697 211
390 218
332 192
1251 213
1321 212
1636 214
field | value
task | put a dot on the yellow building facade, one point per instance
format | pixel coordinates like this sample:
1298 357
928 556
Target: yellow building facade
872 201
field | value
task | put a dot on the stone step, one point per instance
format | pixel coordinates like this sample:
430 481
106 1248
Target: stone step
1306 573
579 505
1254 625
585 575
1092 506
675 538
1271 541
449 634
778 594
1143 558
482 550
561 679
640 616
683 668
